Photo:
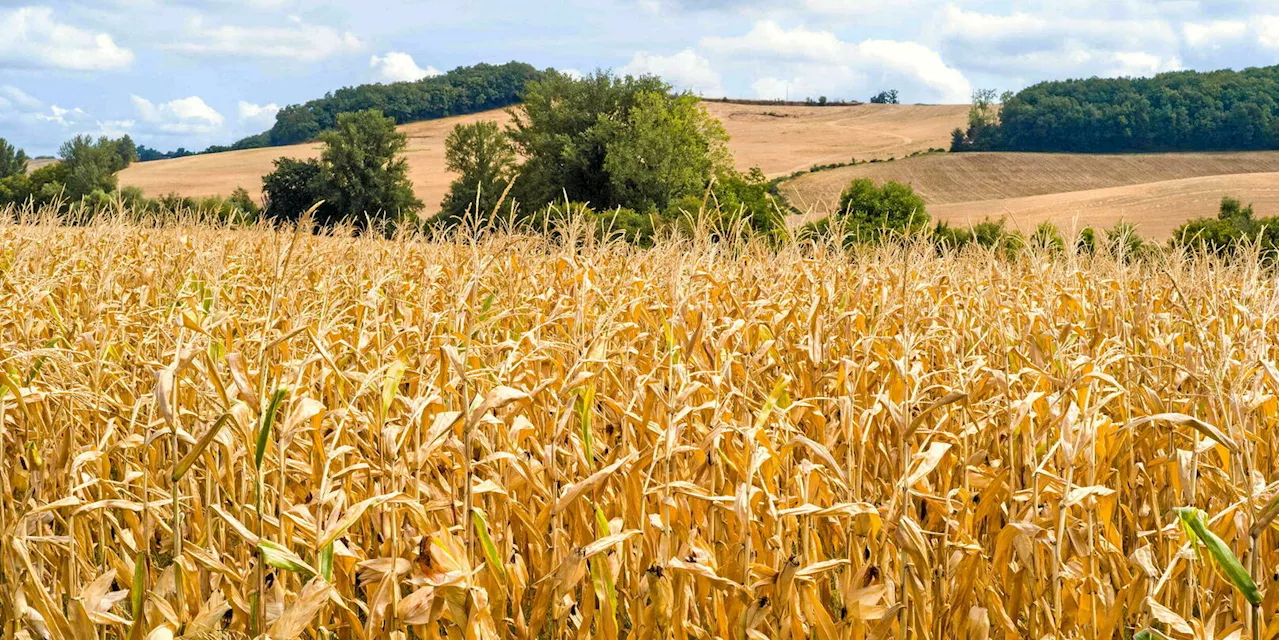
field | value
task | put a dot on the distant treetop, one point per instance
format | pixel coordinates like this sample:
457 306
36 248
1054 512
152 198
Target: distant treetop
461 91
1178 111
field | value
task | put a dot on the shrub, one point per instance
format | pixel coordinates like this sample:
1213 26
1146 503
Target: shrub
871 210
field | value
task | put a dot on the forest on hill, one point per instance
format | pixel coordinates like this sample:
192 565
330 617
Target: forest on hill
463 90
1176 111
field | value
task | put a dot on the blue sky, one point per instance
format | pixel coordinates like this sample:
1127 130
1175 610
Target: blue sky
189 73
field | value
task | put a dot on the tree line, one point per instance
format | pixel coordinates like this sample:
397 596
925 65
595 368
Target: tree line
625 152
463 90
1176 111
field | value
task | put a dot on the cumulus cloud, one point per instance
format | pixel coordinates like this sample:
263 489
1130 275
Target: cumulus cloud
1025 46
18 106
31 37
820 62
684 70
572 73
61 116
1213 34
1267 29
299 41
399 67
257 113
188 115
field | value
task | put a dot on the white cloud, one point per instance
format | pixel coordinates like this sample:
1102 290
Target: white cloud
400 67
1268 31
257 113
63 117
1213 35
819 62
572 73
186 115
13 95
31 37
1091 40
684 70
302 42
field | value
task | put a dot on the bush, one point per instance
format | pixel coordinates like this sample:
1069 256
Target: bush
988 234
1225 235
869 210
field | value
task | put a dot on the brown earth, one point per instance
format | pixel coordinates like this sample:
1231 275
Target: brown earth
946 178
1155 208
794 137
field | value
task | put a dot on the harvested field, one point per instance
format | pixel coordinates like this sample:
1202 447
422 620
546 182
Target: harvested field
948 178
796 139
1155 208
783 139
215 431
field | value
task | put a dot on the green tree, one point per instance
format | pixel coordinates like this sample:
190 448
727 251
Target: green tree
90 165
563 130
364 169
668 147
870 210
983 133
294 123
12 160
483 156
293 187
885 97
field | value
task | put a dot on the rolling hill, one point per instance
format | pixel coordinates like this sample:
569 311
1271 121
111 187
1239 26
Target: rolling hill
1155 191
1157 208
778 139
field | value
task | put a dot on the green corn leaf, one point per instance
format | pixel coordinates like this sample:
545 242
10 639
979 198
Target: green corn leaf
1149 634
491 556
325 560
137 593
601 574
1193 519
268 419
185 464
282 558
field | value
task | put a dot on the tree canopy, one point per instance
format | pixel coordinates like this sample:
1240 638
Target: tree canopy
481 153
12 160
361 172
1178 111
463 90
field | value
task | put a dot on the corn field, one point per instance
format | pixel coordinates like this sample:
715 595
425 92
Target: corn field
209 432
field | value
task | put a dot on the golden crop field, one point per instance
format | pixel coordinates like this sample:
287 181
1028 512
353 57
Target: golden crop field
210 432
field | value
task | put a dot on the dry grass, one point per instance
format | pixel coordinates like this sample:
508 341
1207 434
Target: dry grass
510 438
778 145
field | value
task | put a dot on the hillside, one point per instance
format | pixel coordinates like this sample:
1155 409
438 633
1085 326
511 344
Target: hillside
778 139
947 178
1157 208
